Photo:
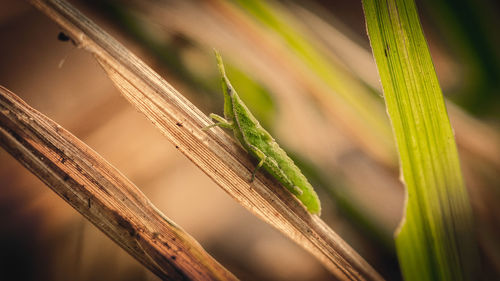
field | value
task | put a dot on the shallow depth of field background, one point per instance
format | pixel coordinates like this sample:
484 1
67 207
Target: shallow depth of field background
42 238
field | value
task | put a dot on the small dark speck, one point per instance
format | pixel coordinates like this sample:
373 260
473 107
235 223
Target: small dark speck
178 124
63 160
385 52
66 178
63 37
126 225
88 200
176 146
173 257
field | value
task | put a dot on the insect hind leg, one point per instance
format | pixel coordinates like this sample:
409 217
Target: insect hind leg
283 178
277 172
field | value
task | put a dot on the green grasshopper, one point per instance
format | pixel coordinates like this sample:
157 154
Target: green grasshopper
259 143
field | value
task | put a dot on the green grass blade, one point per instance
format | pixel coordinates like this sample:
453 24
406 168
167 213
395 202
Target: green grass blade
435 241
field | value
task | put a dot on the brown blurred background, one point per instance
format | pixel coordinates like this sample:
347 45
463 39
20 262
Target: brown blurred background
42 238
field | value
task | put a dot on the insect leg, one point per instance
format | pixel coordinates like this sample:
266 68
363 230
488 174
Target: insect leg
258 166
260 155
278 173
283 178
221 122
